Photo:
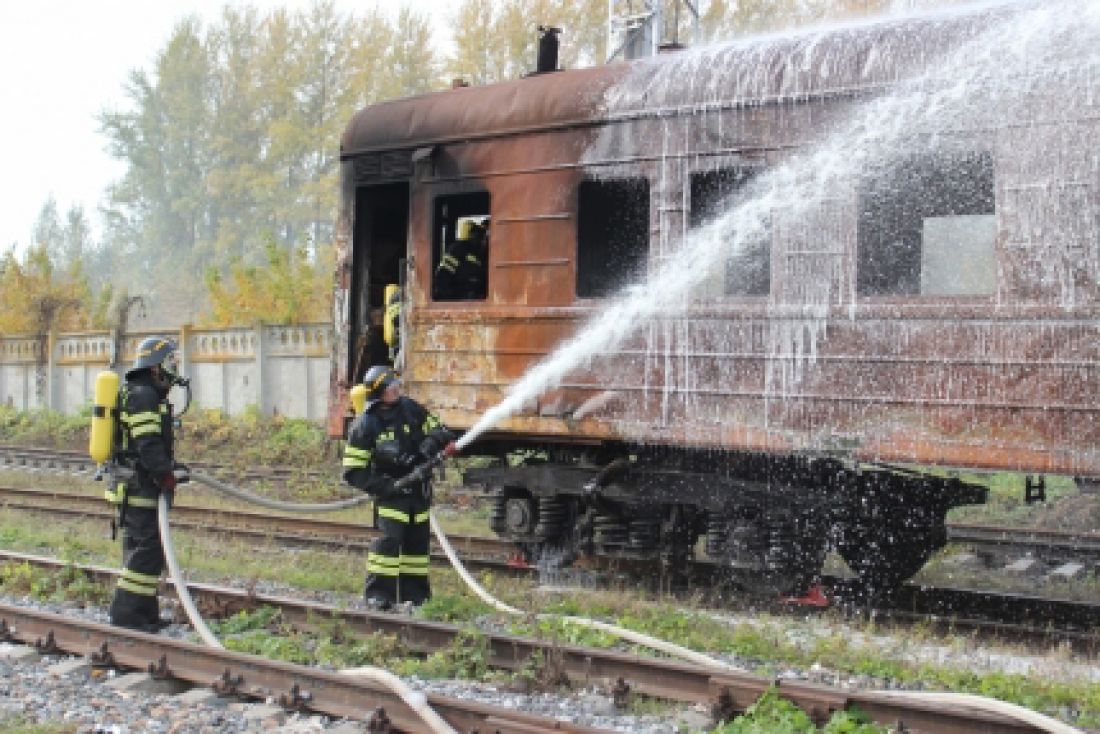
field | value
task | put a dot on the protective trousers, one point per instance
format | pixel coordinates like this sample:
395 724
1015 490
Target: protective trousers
397 564
135 602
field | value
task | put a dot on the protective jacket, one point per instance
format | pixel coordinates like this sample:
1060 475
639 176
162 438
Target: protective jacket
145 442
145 446
386 443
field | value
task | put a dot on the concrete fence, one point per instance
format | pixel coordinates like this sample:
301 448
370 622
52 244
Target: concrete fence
279 369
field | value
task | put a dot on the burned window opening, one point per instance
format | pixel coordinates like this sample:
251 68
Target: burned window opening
612 235
460 247
747 272
928 227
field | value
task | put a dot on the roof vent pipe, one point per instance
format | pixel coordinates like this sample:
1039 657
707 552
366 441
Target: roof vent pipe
548 49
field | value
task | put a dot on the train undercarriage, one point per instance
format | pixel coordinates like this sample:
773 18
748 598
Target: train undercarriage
767 521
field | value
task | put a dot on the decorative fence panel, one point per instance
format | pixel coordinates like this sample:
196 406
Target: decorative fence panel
280 370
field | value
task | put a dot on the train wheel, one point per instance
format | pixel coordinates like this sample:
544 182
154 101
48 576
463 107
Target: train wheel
887 553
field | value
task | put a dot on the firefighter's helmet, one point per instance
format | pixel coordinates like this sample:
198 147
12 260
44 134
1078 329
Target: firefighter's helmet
377 379
156 351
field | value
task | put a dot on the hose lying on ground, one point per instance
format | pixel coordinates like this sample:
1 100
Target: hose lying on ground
636 637
981 703
415 700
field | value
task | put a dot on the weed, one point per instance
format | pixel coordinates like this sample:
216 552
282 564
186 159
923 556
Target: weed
378 649
542 672
452 608
249 621
67 584
772 714
466 657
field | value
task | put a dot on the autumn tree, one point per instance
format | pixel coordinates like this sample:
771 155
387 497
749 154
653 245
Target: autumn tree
496 40
289 288
36 296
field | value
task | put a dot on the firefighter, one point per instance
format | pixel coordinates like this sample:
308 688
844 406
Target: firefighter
463 269
388 440
144 453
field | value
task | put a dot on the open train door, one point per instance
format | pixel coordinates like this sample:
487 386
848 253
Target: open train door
380 247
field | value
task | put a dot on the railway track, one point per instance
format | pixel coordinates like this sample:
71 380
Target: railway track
725 692
76 462
1026 617
1062 555
233 674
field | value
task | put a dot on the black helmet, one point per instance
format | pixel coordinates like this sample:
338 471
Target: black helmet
154 351
377 379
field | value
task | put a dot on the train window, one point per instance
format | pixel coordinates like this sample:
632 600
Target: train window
612 234
928 227
748 272
460 247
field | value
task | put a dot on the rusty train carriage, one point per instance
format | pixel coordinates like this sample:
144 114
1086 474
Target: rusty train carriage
714 424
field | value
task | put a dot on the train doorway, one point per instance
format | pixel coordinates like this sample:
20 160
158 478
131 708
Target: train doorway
380 249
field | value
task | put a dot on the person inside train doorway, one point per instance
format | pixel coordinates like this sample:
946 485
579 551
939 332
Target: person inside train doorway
392 437
144 445
463 271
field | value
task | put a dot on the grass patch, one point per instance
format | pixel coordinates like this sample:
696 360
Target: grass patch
47 585
1005 504
43 427
771 714
22 725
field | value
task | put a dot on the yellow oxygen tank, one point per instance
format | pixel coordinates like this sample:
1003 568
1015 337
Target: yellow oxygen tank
390 325
465 226
358 395
104 415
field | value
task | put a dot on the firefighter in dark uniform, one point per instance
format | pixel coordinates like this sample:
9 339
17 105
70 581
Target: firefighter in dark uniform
462 273
389 440
144 446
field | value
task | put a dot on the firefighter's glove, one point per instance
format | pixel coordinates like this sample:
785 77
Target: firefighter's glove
451 449
429 447
168 481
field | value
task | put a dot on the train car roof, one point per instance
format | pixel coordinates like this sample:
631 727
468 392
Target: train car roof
534 102
839 59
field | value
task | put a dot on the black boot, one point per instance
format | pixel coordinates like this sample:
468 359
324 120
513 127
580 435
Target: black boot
415 589
135 611
380 592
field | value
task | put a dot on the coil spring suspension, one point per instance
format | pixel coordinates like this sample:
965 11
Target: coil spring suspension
717 536
551 520
609 530
644 534
498 521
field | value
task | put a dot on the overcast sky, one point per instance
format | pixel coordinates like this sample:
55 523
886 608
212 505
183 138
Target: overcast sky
64 61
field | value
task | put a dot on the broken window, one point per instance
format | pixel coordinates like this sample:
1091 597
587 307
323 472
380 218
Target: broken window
747 270
460 247
612 235
928 227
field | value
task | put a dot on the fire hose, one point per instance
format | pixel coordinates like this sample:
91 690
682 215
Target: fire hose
414 699
418 702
